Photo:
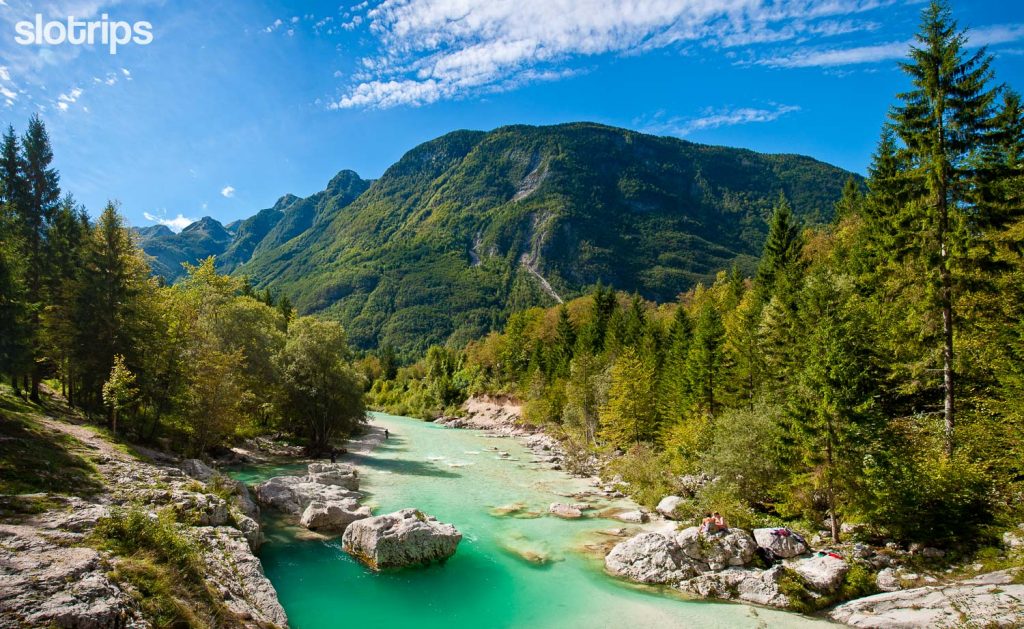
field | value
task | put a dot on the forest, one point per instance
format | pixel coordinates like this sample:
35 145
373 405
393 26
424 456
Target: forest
871 372
192 367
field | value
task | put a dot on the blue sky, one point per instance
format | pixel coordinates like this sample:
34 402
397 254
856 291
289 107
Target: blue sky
235 103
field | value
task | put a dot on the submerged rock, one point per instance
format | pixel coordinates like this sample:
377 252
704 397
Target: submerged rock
632 517
400 539
569 512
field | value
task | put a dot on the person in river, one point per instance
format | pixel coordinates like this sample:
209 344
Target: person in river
387 433
334 455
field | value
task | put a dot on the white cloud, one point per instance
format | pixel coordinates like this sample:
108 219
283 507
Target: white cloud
227 191
176 224
813 58
839 56
714 118
5 74
437 49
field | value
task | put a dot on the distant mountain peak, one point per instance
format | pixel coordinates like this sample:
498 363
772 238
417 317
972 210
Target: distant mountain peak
285 202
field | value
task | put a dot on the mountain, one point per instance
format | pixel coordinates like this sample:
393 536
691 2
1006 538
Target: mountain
167 250
471 226
235 243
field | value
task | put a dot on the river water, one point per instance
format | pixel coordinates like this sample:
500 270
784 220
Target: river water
494 579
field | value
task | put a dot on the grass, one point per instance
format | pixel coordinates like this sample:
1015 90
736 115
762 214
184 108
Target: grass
34 459
163 567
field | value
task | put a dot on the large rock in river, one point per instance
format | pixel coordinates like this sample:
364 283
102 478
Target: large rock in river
650 558
400 539
292 494
333 515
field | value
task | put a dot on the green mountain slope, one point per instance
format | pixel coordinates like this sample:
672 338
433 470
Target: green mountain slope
471 226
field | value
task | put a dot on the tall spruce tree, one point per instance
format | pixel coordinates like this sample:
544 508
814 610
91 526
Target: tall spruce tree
781 256
942 122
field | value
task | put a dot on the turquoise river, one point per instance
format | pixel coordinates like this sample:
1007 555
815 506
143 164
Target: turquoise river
457 476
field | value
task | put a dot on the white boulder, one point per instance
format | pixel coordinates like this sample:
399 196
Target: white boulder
667 506
403 538
334 515
778 544
825 573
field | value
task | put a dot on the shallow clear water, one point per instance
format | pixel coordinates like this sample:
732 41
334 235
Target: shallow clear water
455 476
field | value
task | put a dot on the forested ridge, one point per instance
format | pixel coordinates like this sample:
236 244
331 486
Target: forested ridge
472 226
870 371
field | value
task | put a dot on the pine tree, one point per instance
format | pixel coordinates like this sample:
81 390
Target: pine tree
565 343
833 410
674 384
630 414
942 122
108 320
705 360
35 211
781 257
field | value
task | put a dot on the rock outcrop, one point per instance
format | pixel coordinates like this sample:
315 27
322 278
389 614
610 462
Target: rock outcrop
400 539
45 583
51 577
233 571
824 573
333 515
991 600
709 566
779 544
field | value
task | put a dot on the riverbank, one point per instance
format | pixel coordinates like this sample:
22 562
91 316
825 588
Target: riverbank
854 582
132 538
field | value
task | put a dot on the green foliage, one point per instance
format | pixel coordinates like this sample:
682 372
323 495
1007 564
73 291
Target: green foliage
643 468
745 451
320 389
629 416
928 499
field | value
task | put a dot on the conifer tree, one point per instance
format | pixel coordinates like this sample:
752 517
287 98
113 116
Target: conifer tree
630 414
941 122
781 256
705 360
